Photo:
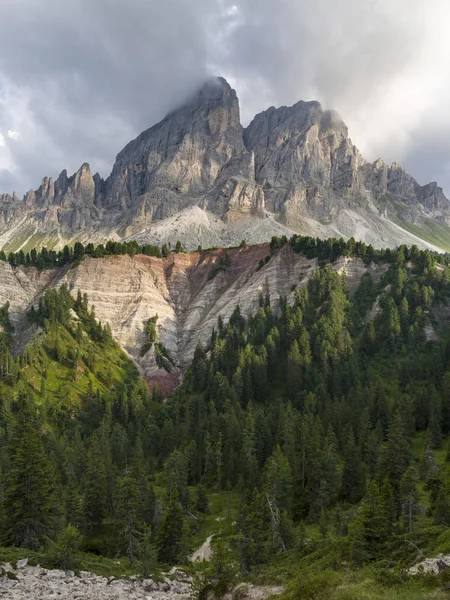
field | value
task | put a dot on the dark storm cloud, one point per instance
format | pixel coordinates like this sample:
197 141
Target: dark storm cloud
79 78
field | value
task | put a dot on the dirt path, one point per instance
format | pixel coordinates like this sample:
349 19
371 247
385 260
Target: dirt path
204 553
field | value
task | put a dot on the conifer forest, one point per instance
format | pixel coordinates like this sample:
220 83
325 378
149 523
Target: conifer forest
309 439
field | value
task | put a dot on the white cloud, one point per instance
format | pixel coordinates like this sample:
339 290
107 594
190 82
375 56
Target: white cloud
111 69
13 135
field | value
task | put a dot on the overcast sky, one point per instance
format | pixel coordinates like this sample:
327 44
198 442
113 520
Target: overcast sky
80 78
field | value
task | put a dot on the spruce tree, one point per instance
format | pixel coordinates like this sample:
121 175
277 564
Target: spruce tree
95 495
27 496
374 521
202 504
396 455
129 508
172 535
353 474
148 552
409 496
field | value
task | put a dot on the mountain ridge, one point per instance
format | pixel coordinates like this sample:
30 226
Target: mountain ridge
293 167
180 289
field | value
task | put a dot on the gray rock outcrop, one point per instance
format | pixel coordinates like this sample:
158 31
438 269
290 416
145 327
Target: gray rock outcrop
431 565
37 583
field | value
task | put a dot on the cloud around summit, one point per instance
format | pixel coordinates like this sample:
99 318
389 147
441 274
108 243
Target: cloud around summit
79 79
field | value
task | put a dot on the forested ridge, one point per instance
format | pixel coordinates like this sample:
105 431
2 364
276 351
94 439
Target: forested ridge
318 431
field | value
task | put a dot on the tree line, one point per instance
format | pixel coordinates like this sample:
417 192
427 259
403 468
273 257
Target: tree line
48 259
326 250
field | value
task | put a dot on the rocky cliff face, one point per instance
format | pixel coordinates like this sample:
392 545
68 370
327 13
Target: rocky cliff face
294 169
182 155
57 211
126 292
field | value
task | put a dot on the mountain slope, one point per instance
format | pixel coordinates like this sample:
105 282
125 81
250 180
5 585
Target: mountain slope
308 439
126 292
293 169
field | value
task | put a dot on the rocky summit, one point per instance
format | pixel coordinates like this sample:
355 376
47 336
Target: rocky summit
200 177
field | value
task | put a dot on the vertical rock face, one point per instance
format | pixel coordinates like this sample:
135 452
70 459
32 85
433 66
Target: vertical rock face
66 192
305 161
57 208
293 168
182 156
11 209
291 145
81 190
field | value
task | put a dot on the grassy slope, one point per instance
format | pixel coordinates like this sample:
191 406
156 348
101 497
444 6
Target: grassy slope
65 387
108 366
431 231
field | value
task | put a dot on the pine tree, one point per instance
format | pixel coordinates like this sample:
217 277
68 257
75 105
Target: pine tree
249 462
202 504
208 456
369 338
254 530
63 551
374 521
172 534
441 506
73 499
409 496
148 552
278 479
294 371
353 474
220 570
389 502
396 455
358 548
175 471
28 488
129 508
435 422
218 455
145 489
95 495
428 466
331 480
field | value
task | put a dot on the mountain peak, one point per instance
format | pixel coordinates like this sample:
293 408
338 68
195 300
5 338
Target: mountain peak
293 165
215 87
215 91
331 120
183 154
